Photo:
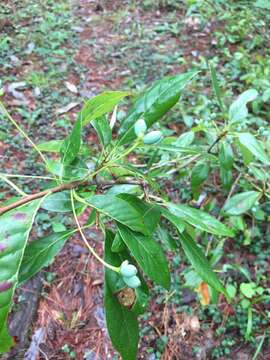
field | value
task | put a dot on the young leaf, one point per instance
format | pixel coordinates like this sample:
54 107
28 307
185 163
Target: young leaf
50 146
185 139
148 255
118 244
15 227
216 86
199 219
40 253
241 203
101 104
154 103
75 171
122 323
200 262
238 110
104 132
254 146
72 144
119 210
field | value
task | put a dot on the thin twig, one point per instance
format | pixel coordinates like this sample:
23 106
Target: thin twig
220 137
219 216
14 186
21 131
26 176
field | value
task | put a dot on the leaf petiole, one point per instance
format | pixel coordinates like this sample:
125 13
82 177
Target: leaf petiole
109 266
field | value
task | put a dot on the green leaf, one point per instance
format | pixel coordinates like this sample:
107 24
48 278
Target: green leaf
231 291
59 202
122 323
50 146
241 203
72 144
248 289
154 103
199 174
76 171
226 178
191 150
179 224
226 156
200 262
246 154
185 139
167 239
15 227
142 298
200 219
216 86
148 255
41 253
124 189
118 244
259 173
254 146
238 110
149 212
101 104
119 210
103 130
263 4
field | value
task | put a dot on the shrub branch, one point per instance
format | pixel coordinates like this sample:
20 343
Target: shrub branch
63 187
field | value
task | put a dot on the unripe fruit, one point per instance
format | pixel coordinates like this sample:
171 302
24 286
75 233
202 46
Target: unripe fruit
152 138
140 127
127 270
132 282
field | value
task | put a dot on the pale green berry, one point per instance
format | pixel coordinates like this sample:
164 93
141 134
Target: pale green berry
127 270
152 138
132 282
140 127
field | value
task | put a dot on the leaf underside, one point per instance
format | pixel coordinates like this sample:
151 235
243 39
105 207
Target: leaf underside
15 227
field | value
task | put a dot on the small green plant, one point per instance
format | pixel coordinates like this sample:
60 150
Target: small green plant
127 203
66 349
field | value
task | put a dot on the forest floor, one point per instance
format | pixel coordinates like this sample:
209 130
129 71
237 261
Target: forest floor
56 55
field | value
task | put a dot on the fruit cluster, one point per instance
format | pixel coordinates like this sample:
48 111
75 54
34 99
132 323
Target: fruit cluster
153 137
129 275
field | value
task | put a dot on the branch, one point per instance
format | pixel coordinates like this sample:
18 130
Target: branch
62 187
220 137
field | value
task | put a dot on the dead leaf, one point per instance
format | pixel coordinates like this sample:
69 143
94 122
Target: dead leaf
67 108
71 87
37 339
203 291
126 297
194 323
